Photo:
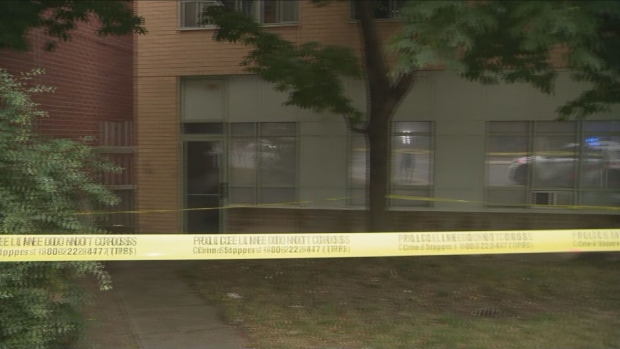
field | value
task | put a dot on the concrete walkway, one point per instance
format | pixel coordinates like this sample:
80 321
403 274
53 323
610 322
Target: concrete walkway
153 307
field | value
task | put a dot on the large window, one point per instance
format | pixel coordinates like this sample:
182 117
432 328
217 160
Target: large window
263 11
553 163
383 9
263 163
411 174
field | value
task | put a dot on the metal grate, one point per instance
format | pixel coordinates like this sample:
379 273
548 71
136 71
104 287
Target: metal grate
116 142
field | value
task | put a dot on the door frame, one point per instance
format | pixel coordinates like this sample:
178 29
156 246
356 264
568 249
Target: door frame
223 201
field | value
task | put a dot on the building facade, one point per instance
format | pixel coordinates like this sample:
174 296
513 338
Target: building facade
218 152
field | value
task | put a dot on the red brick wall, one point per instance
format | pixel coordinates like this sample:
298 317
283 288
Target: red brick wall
93 78
275 220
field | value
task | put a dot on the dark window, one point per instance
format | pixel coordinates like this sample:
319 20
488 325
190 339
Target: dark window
383 9
209 128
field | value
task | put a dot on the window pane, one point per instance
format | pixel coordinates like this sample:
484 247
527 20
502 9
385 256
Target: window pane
241 196
556 127
411 127
242 129
409 197
357 172
244 6
593 167
189 14
357 197
243 161
607 142
600 198
411 161
203 128
278 161
506 161
555 162
270 11
508 127
203 221
288 10
284 196
506 198
203 161
551 198
602 126
278 129
384 9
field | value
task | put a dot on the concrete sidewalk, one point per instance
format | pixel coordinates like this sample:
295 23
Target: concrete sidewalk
153 307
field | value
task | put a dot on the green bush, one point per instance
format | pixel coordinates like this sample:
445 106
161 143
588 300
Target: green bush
43 183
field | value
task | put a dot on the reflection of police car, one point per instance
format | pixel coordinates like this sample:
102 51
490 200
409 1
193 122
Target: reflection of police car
600 166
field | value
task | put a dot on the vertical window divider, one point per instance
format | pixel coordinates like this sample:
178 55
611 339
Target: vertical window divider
390 169
531 169
579 164
257 160
431 168
297 185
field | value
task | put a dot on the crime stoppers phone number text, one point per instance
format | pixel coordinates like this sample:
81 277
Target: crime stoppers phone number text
273 249
86 251
307 249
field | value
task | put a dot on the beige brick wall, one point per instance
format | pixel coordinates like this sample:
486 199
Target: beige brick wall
158 153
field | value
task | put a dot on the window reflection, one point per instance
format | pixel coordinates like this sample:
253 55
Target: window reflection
411 164
553 160
263 161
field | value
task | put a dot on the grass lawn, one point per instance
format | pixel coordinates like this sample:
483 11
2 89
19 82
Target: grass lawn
423 302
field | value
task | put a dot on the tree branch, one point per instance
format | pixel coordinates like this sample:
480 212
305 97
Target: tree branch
402 85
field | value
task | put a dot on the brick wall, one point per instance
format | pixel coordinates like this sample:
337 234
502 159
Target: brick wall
159 154
92 76
276 220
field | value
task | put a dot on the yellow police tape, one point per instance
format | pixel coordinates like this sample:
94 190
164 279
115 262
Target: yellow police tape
24 248
393 197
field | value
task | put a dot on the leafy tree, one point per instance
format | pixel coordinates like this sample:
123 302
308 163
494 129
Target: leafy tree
59 17
488 41
42 183
511 41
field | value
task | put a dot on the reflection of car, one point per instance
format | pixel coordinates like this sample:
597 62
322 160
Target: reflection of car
268 151
600 166
244 155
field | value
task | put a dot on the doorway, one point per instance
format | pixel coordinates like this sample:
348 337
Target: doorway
204 187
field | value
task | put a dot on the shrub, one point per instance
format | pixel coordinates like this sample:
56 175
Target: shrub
43 182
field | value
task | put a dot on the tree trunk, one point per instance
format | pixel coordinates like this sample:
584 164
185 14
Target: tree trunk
378 137
383 98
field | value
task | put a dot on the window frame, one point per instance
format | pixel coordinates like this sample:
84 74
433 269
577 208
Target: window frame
575 191
257 13
257 187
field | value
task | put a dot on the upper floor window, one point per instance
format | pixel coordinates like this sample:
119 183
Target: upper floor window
383 9
262 11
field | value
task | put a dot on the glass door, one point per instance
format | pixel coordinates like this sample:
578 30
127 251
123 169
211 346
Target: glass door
204 186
